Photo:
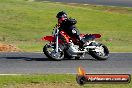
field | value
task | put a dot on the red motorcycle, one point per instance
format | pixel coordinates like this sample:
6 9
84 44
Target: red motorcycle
62 46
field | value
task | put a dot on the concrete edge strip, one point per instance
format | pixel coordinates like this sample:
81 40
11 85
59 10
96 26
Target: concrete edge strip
62 73
121 52
10 74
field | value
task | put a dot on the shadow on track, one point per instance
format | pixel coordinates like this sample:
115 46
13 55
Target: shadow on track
27 58
44 59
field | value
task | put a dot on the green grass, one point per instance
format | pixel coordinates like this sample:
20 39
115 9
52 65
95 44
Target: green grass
23 23
66 81
35 78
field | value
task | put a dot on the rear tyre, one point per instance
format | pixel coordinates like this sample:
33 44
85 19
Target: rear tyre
101 54
49 51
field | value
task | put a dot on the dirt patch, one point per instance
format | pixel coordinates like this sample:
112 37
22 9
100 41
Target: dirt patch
9 48
118 10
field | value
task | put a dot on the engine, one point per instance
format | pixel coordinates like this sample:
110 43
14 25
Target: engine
73 50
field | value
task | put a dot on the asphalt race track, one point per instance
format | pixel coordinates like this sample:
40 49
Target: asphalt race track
126 3
38 63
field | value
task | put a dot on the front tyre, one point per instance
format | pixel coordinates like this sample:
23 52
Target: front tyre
49 51
101 52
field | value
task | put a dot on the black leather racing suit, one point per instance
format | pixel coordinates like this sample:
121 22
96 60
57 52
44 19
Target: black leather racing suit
69 27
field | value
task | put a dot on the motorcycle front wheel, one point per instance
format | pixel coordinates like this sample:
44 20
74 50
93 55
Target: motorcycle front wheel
49 51
101 52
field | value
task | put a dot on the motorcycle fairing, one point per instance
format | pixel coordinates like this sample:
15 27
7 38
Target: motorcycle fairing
91 35
48 38
66 36
96 35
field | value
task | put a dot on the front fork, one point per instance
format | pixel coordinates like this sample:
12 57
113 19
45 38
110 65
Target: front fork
57 31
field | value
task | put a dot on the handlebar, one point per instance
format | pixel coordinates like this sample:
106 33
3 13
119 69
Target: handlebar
56 29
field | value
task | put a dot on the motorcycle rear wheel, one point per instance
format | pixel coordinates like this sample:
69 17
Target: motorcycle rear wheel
52 55
104 55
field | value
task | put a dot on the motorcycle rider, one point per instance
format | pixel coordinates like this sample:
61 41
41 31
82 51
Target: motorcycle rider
68 25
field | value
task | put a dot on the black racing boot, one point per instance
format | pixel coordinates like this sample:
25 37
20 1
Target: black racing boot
81 45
